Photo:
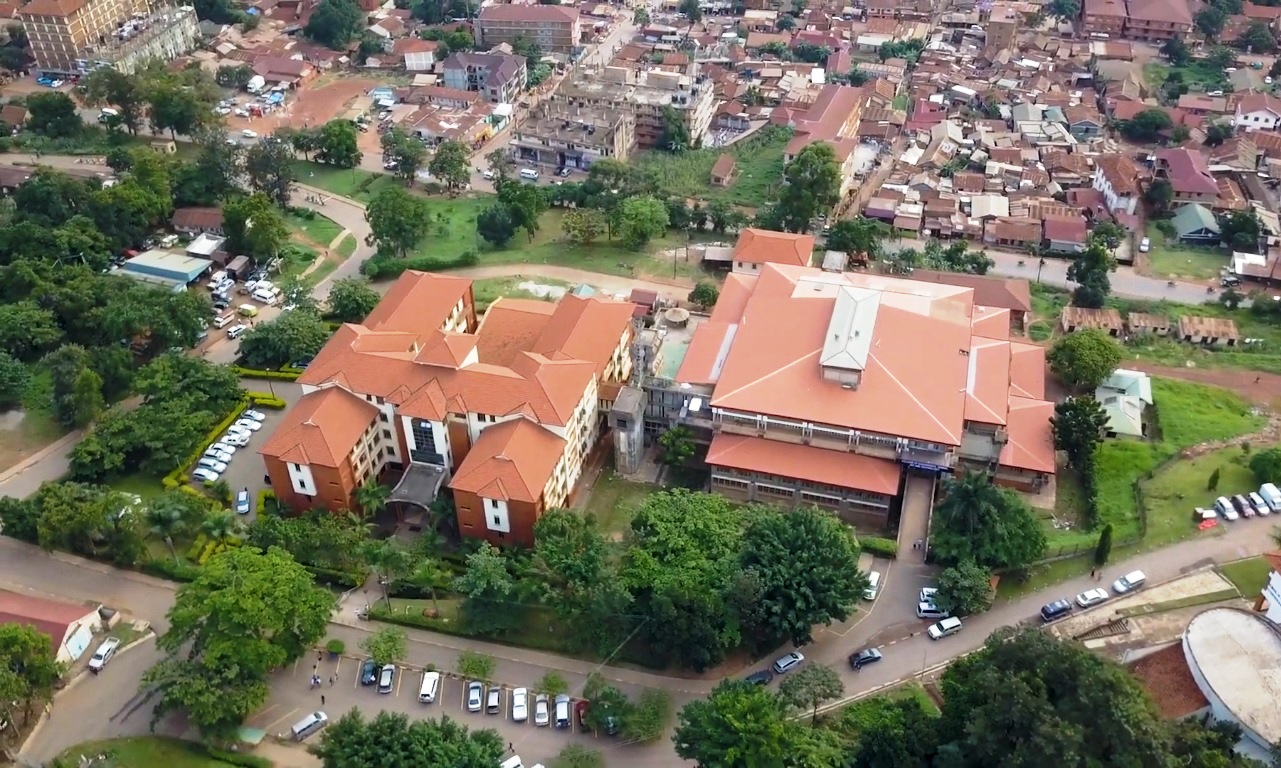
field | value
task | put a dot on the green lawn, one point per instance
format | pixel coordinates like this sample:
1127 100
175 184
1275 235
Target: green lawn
318 232
1197 74
354 183
759 170
1188 414
145 752
489 289
37 427
614 500
1169 258
347 246
1248 576
849 721
146 486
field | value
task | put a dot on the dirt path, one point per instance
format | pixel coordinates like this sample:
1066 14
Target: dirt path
1261 388
606 283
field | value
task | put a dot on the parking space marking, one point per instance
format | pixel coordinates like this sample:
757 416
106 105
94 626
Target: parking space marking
400 680
261 713
271 727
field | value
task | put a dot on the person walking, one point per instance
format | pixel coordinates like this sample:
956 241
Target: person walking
333 679
322 699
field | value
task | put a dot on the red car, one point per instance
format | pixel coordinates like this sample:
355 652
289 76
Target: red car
580 710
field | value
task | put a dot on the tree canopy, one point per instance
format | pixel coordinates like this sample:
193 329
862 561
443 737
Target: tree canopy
1084 359
397 221
394 741
812 187
982 523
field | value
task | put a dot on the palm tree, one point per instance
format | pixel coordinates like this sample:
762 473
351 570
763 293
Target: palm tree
221 491
220 525
392 561
164 519
372 498
428 572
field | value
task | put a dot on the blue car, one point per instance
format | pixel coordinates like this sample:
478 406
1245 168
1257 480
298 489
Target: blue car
242 502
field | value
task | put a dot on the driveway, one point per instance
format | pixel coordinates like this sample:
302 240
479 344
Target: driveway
246 469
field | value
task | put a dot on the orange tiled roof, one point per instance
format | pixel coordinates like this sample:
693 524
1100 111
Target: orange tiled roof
511 461
1031 439
510 327
763 246
819 465
322 428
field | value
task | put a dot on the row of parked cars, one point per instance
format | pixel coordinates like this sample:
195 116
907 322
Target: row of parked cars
214 461
1261 503
1130 582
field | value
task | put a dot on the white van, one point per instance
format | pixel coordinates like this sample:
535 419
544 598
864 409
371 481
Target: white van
512 762
236 331
944 628
1129 582
930 611
222 321
1271 496
528 173
217 277
309 725
266 297
430 687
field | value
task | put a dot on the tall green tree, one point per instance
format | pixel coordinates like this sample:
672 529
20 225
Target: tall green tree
489 592
1090 272
990 526
580 578
394 741
404 153
857 236
739 726
810 687
1084 359
28 668
1265 465
641 219
386 645
245 615
53 114
14 378
397 221
351 299
335 23
964 588
812 184
254 226
806 563
525 202
126 94
1078 424
452 165
496 225
337 146
269 168
1103 548
286 337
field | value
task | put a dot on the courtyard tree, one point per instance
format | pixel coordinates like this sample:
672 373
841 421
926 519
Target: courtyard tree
1083 360
990 526
1159 195
1242 230
740 725
1146 126
704 294
335 23
1176 51
269 167
398 221
806 562
336 144
1078 424
810 687
351 299
452 165
287 337
387 645
488 590
391 740
574 562
526 203
254 226
641 219
496 225
812 186
404 153
965 588
246 614
678 446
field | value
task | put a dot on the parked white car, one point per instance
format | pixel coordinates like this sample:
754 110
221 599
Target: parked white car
217 455
222 447
213 465
520 704
248 134
205 476
240 439
255 415
249 424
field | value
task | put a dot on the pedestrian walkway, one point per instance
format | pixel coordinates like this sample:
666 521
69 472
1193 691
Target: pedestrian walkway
914 518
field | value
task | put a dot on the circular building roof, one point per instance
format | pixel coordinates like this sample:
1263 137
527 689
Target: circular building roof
1238 655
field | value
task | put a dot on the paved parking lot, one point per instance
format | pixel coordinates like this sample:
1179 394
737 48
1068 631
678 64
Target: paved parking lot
246 470
292 698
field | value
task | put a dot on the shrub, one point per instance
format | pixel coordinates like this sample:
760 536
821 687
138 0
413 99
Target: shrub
881 547
257 373
197 547
264 400
331 578
264 496
336 646
168 569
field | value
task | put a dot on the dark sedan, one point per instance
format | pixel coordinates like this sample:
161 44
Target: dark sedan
368 672
864 657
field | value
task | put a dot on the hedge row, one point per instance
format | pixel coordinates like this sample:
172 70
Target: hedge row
331 578
197 547
168 569
255 373
875 545
388 266
238 759
266 400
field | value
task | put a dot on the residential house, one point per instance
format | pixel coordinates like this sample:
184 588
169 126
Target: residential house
69 627
1084 121
1258 112
1012 233
833 118
872 418
1157 20
1066 234
14 116
1194 223
1201 104
1188 173
500 77
197 220
556 28
278 70
419 55
504 411
758 247
1082 318
1209 331
1009 293
559 136
1140 323
1105 18
723 171
1117 177
1124 395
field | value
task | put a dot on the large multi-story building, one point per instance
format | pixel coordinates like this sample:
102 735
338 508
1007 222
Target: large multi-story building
499 76
1153 20
647 95
74 37
556 28
829 388
560 136
504 411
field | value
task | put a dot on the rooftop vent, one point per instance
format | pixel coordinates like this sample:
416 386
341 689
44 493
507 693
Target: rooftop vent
849 335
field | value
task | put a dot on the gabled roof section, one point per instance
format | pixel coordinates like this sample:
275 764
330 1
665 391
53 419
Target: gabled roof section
321 429
1031 439
585 328
418 303
511 461
763 246
987 384
511 326
849 333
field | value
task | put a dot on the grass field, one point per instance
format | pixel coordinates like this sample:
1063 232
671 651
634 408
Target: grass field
1197 74
146 486
347 246
317 233
758 169
25 434
854 718
1248 576
144 752
1189 414
1169 258
614 501
354 183
489 289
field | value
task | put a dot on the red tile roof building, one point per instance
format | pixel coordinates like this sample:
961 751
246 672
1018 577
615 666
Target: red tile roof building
825 387
416 390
